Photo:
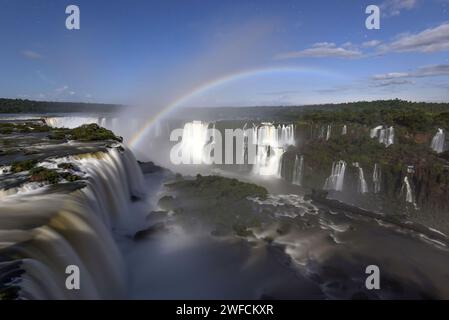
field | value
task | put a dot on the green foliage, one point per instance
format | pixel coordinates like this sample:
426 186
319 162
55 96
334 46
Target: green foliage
70 177
93 132
86 132
67 166
28 127
40 174
221 187
415 116
30 106
25 165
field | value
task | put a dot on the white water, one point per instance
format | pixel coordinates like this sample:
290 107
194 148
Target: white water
275 136
336 179
408 191
328 132
71 122
194 139
298 169
272 142
344 130
377 174
438 141
268 161
43 233
112 123
362 186
384 135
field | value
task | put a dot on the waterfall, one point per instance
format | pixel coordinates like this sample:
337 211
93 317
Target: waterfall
362 186
194 138
384 135
275 136
438 141
336 179
377 174
375 131
298 169
268 161
409 192
344 130
272 142
41 233
328 132
71 122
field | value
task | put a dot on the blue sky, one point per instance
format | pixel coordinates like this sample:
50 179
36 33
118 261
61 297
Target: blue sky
283 52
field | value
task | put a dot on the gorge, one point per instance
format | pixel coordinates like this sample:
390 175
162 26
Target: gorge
302 221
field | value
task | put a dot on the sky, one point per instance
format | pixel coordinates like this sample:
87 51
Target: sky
224 53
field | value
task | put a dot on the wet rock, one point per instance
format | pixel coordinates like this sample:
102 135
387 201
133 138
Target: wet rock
221 230
166 203
153 230
149 167
157 216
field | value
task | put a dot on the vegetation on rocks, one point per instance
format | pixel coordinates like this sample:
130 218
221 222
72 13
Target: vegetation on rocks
220 187
220 202
19 166
40 174
87 132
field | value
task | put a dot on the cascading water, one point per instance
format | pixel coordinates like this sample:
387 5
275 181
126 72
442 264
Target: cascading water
384 135
438 141
328 132
41 233
336 179
194 139
272 142
362 186
71 122
377 175
298 169
408 190
344 130
375 132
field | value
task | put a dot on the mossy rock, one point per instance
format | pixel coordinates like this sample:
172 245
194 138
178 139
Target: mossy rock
25 165
67 166
220 187
70 177
93 132
41 174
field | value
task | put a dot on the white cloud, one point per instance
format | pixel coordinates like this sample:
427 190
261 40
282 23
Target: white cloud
61 89
426 71
372 43
320 50
30 54
394 7
392 82
429 40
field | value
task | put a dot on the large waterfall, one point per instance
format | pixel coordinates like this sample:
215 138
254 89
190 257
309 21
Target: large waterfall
438 141
42 231
377 176
298 170
384 135
336 179
362 186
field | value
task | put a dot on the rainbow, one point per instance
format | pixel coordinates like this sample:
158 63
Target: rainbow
202 88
